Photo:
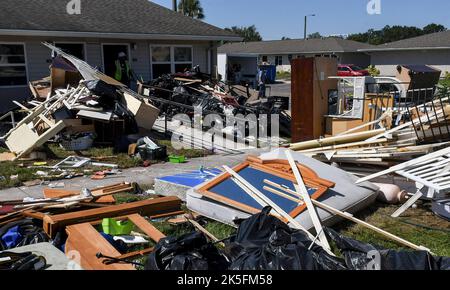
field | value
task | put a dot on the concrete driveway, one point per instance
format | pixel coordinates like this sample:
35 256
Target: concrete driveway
143 176
281 88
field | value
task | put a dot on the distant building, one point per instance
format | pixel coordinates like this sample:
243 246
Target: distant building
432 49
280 52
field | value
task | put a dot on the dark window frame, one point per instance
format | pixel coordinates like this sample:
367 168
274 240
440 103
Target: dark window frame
23 64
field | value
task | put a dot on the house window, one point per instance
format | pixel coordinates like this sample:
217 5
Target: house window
279 60
290 56
75 49
170 59
264 58
13 68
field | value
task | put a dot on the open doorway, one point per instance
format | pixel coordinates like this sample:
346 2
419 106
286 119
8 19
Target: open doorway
110 55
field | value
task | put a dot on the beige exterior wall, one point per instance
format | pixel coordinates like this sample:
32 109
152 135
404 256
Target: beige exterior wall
387 62
39 58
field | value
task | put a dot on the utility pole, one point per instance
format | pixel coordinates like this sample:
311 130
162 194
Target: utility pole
174 5
306 24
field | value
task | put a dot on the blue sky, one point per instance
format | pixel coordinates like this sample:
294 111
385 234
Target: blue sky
277 18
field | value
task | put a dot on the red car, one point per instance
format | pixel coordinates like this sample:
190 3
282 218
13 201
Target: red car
350 70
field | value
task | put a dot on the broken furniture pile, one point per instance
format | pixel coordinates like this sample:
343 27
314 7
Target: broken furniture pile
88 226
79 105
185 93
409 149
282 207
414 132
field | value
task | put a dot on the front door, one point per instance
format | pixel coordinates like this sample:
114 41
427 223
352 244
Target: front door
111 54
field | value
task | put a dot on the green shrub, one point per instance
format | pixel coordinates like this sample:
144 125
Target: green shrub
373 71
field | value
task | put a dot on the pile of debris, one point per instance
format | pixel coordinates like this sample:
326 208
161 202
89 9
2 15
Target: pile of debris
418 130
77 106
194 91
68 220
412 153
96 234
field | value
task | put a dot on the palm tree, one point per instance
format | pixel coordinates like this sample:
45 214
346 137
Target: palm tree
191 8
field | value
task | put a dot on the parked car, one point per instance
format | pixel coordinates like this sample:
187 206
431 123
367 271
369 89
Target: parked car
350 70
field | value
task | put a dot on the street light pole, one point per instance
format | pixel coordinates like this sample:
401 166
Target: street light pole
306 24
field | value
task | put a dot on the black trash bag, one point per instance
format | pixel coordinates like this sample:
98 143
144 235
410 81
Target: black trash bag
101 89
107 93
22 262
189 252
264 242
360 256
25 232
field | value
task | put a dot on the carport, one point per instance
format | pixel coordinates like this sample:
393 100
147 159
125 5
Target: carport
247 64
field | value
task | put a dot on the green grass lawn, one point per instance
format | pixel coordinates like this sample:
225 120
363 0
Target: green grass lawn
26 171
283 75
419 226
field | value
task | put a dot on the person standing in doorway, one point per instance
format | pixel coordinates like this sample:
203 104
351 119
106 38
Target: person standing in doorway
123 74
261 79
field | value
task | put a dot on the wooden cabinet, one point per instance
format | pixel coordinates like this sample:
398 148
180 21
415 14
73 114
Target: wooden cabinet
310 86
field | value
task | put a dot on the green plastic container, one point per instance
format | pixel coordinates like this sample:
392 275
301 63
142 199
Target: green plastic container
177 159
117 228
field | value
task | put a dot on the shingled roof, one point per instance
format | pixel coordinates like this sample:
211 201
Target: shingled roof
325 45
109 18
439 40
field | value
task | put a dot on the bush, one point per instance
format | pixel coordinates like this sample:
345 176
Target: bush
373 71
443 88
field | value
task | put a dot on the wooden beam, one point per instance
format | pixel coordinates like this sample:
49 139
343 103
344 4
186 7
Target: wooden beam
146 227
300 187
84 242
157 206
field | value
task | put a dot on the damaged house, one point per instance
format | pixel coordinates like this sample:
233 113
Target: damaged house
155 40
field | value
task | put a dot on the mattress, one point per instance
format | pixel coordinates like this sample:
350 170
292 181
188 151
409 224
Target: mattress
345 195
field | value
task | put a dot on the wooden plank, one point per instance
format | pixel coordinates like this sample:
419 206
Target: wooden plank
300 187
96 192
274 206
146 227
53 223
412 200
348 145
85 241
59 193
205 232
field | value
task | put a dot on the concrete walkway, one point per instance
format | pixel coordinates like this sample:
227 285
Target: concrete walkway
140 175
